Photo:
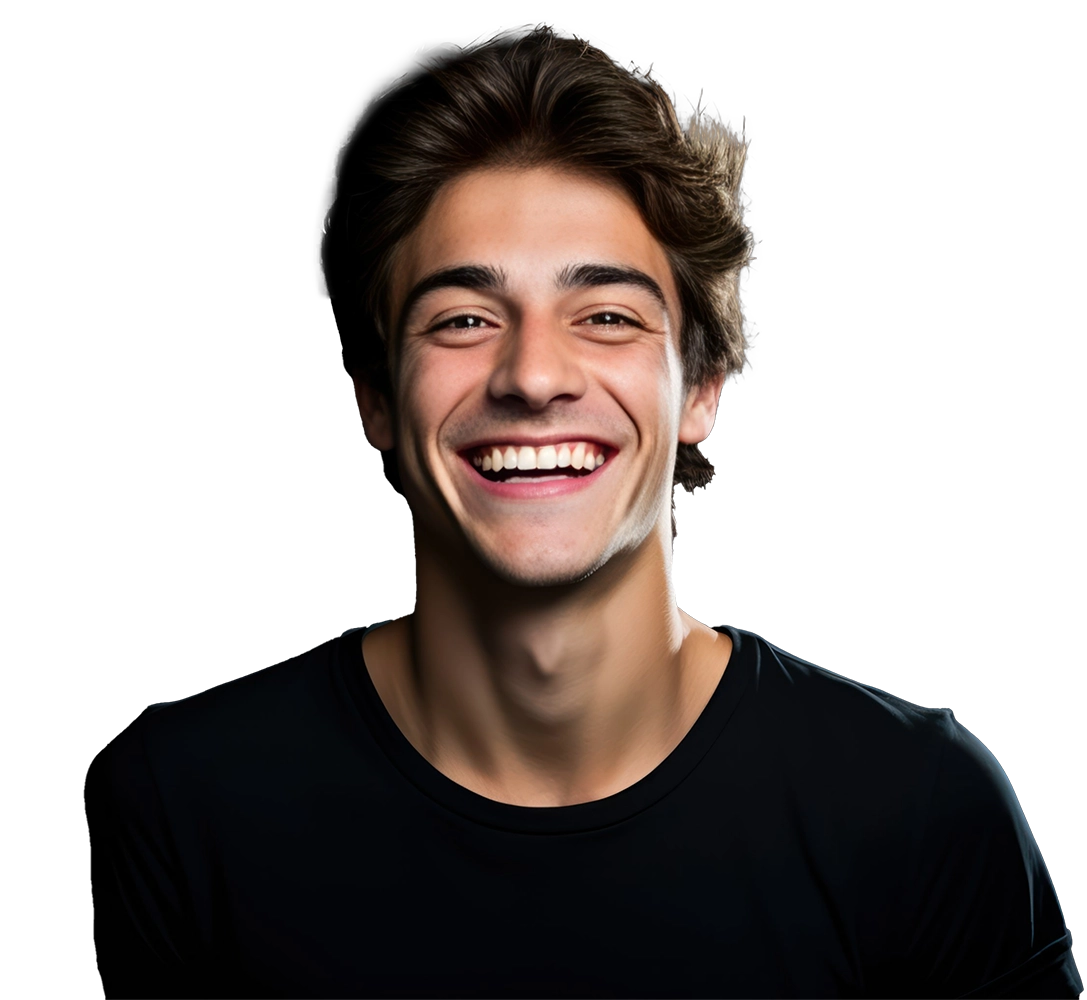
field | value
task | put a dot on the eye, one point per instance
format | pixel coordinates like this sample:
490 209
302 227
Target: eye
610 318
470 321
465 322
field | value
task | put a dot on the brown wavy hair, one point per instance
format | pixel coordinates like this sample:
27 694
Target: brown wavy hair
531 99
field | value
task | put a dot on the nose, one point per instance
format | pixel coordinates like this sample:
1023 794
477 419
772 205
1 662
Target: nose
538 364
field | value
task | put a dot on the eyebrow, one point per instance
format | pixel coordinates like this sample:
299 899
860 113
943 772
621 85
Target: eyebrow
594 275
484 278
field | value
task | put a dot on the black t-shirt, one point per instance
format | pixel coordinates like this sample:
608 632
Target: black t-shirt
278 836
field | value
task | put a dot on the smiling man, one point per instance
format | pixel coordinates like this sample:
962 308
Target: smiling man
539 400
548 780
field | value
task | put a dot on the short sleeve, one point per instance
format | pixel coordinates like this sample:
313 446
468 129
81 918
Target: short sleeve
142 934
986 918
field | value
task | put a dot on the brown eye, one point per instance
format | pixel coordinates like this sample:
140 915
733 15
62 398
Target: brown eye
609 318
465 323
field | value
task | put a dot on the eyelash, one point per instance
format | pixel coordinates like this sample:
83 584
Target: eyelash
623 320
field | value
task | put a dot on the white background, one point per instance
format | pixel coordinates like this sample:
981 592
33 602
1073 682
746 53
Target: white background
189 497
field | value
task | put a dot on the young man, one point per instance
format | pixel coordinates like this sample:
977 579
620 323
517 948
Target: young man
548 780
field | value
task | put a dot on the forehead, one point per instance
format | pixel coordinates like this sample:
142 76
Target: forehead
532 223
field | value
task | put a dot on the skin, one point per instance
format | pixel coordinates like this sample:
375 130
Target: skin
546 662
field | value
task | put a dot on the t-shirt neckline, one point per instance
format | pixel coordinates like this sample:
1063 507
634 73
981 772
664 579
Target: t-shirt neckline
584 816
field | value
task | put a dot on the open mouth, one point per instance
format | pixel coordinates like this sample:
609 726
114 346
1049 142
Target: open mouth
533 475
525 464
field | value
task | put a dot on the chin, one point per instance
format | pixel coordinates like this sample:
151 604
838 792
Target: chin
547 568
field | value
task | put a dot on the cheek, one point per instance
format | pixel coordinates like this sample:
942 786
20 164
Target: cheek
448 373
647 385
432 384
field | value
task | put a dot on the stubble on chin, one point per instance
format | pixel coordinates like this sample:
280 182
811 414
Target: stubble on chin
538 570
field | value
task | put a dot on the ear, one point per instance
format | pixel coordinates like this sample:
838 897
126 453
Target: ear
700 411
376 413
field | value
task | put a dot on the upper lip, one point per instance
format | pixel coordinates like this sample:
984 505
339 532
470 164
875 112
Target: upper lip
532 441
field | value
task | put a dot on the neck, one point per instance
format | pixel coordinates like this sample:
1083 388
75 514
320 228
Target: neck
549 695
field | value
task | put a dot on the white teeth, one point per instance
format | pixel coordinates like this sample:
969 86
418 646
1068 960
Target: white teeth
579 455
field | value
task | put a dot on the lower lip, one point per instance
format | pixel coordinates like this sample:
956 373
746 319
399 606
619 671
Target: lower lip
540 489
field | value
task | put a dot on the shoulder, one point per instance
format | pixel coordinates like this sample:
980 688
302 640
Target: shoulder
255 717
916 802
836 715
800 701
884 770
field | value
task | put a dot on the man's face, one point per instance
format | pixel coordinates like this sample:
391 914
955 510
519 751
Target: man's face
537 374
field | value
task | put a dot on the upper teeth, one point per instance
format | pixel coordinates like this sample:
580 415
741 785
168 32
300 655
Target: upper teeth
573 455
